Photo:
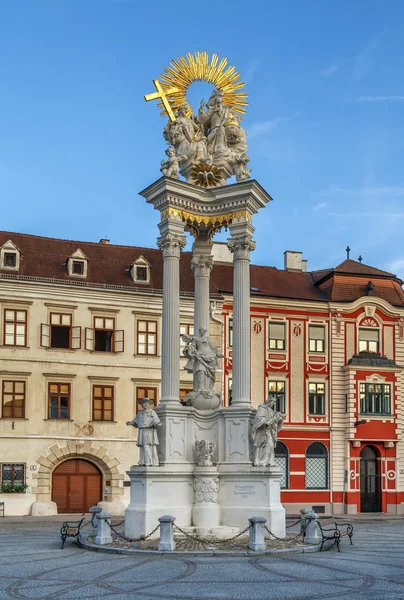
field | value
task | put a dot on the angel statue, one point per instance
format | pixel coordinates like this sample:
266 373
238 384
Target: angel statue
266 426
147 440
169 167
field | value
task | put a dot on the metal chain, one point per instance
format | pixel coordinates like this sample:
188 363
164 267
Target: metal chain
293 524
141 538
206 542
294 537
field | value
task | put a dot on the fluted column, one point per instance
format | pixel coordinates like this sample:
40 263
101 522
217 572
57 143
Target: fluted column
201 265
171 245
241 245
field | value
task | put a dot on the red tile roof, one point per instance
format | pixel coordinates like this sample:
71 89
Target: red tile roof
109 264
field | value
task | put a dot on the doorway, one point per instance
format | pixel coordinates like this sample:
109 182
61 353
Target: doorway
370 481
76 486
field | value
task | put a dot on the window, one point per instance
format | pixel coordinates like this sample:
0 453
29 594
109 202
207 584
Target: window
13 474
316 398
282 462
230 336
103 403
78 267
145 392
375 398
316 338
59 400
185 330
60 333
316 467
10 259
104 337
13 394
277 390
277 336
15 327
368 340
141 273
147 337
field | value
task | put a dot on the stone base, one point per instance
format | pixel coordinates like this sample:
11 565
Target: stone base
211 533
44 509
201 401
114 508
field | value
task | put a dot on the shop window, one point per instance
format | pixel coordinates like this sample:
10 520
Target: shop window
282 462
316 467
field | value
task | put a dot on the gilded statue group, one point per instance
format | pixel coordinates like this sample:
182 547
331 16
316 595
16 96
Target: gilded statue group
206 148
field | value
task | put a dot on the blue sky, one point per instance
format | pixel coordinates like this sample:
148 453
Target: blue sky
325 118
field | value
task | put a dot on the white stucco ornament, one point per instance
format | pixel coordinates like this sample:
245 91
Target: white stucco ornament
266 426
209 147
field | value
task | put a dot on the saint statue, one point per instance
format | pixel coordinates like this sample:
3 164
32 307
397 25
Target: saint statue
213 121
147 440
202 356
266 426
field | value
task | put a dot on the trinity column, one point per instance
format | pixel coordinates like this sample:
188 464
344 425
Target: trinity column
241 244
202 264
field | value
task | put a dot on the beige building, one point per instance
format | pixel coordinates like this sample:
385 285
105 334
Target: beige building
80 328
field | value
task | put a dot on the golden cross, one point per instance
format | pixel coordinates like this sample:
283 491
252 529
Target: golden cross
161 94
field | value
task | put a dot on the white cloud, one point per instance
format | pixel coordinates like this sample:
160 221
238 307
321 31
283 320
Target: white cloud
379 99
250 70
319 206
364 59
265 126
330 70
333 190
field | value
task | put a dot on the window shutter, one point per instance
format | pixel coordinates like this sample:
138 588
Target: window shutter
89 345
75 338
118 340
45 335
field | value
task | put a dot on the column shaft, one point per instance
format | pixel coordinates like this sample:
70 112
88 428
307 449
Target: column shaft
201 266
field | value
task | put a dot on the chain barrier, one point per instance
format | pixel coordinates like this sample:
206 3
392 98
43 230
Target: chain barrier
123 537
295 536
293 524
207 542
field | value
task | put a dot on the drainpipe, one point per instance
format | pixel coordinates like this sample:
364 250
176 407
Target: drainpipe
330 462
212 310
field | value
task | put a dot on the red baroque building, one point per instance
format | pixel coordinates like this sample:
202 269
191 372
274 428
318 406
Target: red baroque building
330 346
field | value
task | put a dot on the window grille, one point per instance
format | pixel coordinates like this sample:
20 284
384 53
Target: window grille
316 467
13 474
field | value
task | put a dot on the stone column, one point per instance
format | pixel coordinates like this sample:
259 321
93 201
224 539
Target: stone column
202 263
103 529
167 543
171 243
241 244
257 534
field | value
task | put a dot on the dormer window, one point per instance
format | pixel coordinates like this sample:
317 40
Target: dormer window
140 270
9 257
77 264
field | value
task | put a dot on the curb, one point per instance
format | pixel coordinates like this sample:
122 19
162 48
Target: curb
85 544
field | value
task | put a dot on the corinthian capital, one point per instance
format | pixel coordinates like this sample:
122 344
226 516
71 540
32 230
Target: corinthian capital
241 246
171 244
202 265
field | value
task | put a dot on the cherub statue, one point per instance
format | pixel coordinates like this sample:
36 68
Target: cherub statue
169 167
147 440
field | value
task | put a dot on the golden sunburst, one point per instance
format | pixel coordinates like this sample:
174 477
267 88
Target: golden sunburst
206 175
176 79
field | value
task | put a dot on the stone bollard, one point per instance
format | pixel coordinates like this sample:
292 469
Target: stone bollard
103 529
303 519
312 535
167 543
257 534
94 511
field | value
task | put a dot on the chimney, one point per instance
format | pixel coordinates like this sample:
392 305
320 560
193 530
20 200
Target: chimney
294 261
103 241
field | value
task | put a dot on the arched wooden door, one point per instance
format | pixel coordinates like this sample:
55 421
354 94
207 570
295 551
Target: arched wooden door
76 486
370 481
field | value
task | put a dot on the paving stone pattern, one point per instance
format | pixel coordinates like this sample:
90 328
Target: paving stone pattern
32 567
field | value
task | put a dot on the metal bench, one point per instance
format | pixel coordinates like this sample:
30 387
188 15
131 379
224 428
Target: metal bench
71 529
335 533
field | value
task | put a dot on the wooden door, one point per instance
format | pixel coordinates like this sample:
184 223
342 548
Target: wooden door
76 486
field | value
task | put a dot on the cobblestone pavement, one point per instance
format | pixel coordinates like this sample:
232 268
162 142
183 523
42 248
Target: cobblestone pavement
32 567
